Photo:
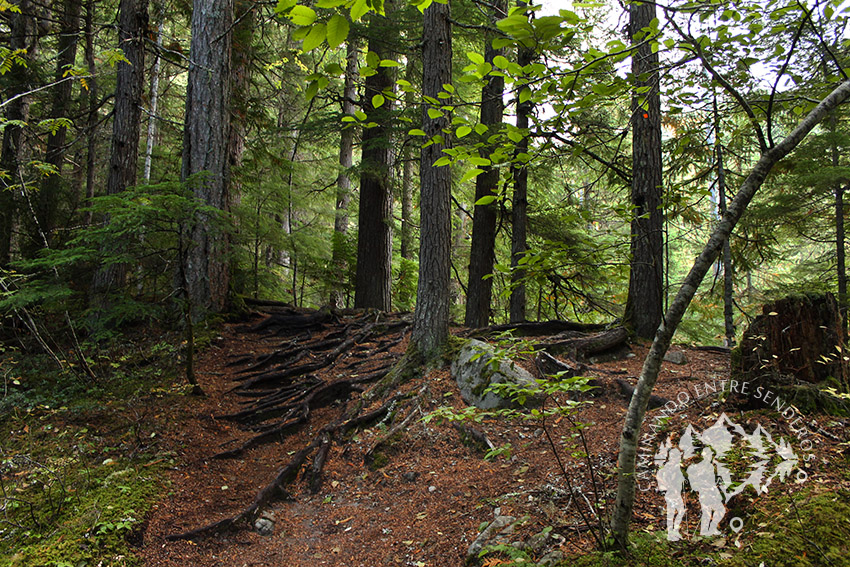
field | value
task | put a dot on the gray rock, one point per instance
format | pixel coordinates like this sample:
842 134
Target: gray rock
474 373
551 559
676 357
264 526
488 536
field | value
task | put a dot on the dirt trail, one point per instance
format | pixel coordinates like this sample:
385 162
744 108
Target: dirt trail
423 507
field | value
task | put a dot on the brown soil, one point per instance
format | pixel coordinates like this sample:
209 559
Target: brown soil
426 504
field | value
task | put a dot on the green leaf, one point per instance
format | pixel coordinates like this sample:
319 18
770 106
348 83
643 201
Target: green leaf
463 131
501 62
389 63
416 132
479 161
484 201
302 15
360 115
284 5
315 38
312 90
445 160
378 101
337 30
471 174
524 94
373 60
476 58
434 114
334 68
358 10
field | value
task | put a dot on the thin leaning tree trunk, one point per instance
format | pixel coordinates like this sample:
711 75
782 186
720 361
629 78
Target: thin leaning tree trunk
630 436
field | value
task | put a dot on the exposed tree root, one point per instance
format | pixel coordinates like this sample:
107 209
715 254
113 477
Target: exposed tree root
537 328
285 387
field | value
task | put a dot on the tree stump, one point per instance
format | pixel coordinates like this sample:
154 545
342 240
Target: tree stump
795 344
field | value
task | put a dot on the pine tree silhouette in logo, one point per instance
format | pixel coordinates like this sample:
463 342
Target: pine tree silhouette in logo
710 464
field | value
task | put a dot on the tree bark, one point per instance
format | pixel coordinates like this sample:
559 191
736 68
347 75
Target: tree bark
482 247
154 98
49 194
519 209
343 180
840 237
126 126
645 300
726 258
205 149
242 56
372 283
431 316
22 35
652 364
90 96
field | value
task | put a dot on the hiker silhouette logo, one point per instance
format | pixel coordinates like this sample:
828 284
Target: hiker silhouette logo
718 464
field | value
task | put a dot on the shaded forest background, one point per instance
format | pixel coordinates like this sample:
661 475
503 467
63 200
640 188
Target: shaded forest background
107 216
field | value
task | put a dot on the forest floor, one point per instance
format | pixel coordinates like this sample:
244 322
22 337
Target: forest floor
426 500
102 474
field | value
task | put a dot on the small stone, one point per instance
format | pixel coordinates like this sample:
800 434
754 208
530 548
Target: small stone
676 357
551 559
499 526
264 527
538 432
432 489
497 511
410 476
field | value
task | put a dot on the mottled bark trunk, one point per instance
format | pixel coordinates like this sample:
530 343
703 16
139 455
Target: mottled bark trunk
645 300
372 283
50 193
22 35
431 317
726 257
652 365
482 247
154 98
205 149
343 180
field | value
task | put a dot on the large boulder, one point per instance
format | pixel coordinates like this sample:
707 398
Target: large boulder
476 368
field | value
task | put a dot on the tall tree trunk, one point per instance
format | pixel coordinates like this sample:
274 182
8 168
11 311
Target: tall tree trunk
840 238
519 209
90 95
630 437
645 300
726 257
372 283
23 35
154 96
205 149
126 124
242 55
343 180
431 316
49 194
482 247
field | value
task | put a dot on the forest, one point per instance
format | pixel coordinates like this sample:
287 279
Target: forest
246 247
